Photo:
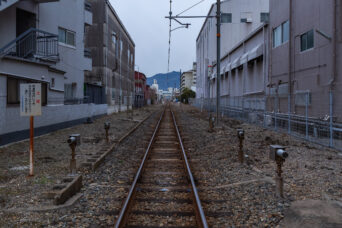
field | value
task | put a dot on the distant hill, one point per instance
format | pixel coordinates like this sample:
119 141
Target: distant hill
164 81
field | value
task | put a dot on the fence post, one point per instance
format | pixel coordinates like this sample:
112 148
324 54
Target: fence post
306 115
265 107
331 142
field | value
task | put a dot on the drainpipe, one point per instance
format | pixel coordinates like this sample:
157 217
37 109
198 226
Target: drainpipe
334 71
290 68
109 91
264 57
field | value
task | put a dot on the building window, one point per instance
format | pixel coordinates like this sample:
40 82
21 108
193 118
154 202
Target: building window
226 18
128 57
281 34
114 39
264 17
67 37
13 91
307 40
277 37
285 31
121 47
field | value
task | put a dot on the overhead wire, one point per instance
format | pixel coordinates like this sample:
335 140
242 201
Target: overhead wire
170 31
190 7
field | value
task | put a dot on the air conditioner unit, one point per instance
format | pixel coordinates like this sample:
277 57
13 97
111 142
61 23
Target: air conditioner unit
249 20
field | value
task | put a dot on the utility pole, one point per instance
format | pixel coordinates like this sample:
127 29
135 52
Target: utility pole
218 63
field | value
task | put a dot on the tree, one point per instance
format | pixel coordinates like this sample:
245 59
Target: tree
187 93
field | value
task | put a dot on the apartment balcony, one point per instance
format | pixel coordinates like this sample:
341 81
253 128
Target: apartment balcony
34 45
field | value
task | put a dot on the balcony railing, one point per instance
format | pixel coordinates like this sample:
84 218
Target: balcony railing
33 44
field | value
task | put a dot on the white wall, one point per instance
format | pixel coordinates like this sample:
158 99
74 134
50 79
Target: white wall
231 34
70 15
50 115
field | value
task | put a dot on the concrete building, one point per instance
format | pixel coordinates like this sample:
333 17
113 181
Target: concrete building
244 72
140 89
306 57
240 17
113 53
188 79
43 42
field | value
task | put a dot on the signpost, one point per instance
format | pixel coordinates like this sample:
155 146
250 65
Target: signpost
31 105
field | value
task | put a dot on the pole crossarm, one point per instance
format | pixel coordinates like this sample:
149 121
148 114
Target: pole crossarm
175 17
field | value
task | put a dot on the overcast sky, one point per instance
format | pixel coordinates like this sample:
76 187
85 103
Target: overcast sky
146 23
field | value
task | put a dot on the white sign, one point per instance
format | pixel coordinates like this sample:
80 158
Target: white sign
30 99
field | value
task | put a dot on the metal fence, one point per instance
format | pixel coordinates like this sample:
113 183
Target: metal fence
305 115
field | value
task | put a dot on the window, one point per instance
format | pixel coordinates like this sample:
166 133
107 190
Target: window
66 37
281 34
128 57
114 39
226 18
307 40
285 31
121 47
264 17
13 91
277 37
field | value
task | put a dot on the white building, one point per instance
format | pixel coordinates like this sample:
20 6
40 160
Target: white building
43 42
240 18
188 79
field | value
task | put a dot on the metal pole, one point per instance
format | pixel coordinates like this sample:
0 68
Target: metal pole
218 63
331 143
306 116
31 145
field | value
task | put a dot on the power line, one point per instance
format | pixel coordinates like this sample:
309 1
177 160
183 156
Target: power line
190 7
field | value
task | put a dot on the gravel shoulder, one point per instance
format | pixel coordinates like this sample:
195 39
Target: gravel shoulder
246 193
233 195
52 156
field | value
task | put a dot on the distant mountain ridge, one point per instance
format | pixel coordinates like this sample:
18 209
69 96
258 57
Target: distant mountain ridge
164 81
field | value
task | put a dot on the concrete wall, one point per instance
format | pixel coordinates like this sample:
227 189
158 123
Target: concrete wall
249 78
231 34
311 70
110 68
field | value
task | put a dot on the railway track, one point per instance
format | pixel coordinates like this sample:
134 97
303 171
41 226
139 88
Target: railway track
163 192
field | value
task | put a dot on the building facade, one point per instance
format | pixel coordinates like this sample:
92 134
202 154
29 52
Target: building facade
43 42
139 89
305 58
239 17
113 53
188 79
244 72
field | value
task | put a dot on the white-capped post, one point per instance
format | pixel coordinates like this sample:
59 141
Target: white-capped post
31 105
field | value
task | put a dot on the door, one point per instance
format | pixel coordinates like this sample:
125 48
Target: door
26 46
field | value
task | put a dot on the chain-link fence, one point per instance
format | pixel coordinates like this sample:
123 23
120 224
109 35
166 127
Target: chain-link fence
315 117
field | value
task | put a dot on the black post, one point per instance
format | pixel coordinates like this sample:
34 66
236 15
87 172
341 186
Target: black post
218 63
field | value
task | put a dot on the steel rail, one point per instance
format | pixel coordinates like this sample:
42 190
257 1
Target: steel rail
199 210
121 221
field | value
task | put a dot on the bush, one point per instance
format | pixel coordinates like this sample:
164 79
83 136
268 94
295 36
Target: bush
187 93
